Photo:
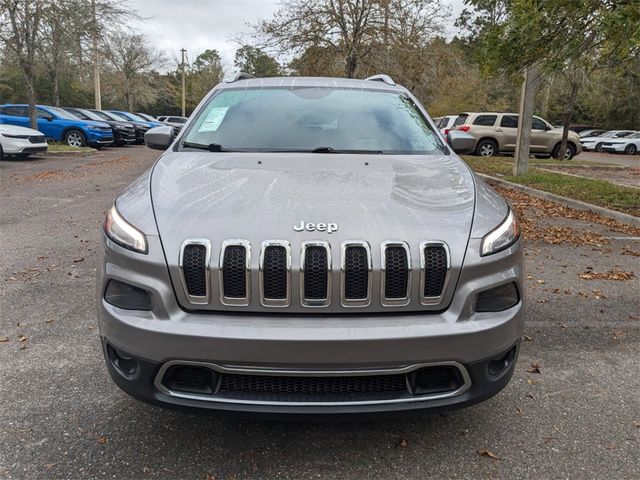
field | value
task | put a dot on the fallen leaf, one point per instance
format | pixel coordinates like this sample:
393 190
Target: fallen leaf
541 282
488 454
527 338
48 466
78 260
618 335
618 275
531 381
533 368
403 443
102 440
209 477
22 338
519 411
4 339
50 320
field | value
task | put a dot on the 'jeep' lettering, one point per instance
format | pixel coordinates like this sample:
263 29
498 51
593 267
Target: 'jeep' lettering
316 227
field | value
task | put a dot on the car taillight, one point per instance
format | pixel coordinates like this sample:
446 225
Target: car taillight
464 128
446 130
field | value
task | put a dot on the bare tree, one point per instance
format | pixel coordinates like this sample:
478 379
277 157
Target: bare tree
131 61
19 32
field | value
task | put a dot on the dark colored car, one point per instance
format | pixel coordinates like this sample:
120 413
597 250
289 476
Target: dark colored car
123 132
132 117
60 125
140 127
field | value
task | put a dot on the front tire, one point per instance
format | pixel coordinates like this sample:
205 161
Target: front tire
630 149
569 152
599 148
75 138
486 148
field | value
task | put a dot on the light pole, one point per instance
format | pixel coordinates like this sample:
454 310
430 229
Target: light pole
96 65
184 103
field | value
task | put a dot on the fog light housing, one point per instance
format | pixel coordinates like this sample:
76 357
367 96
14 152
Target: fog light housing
498 299
121 361
127 297
499 365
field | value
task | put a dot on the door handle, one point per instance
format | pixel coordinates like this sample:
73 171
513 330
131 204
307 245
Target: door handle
499 130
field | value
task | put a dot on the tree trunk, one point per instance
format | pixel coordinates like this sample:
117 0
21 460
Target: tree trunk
351 64
31 97
525 118
567 120
55 86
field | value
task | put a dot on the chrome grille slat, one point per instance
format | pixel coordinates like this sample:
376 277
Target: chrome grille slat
231 267
395 280
315 274
194 270
274 269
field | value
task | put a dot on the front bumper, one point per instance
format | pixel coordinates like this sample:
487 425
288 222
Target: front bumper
98 138
22 146
308 343
619 147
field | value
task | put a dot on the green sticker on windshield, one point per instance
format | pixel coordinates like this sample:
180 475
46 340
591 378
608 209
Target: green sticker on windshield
213 120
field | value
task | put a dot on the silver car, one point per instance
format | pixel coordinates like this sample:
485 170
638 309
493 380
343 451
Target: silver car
310 246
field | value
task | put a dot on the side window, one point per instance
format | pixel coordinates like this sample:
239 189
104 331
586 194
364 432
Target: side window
485 120
16 111
509 121
460 120
42 114
538 124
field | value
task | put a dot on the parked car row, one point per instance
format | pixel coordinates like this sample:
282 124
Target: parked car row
497 132
77 127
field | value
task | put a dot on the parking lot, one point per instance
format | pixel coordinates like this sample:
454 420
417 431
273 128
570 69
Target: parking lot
571 410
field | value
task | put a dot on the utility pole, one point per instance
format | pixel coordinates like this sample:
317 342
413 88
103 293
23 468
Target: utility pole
96 65
525 119
184 103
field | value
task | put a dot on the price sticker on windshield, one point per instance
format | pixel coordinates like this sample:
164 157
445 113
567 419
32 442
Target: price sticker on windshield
213 120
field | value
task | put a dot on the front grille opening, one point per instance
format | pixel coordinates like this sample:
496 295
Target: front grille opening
274 271
283 386
396 273
194 269
356 273
435 270
436 379
315 273
190 379
234 271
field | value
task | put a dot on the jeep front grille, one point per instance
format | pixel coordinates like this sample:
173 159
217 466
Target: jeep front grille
314 274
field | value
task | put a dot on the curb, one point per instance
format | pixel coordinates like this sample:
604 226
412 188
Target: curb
577 204
550 170
71 152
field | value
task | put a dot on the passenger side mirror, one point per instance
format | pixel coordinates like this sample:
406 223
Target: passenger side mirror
461 142
159 138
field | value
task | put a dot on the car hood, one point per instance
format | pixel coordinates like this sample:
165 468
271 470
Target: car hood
15 130
114 123
221 196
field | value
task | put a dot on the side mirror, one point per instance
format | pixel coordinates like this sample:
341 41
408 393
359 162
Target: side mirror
49 118
461 142
159 138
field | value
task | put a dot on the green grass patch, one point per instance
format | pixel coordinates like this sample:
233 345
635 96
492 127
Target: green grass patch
596 192
63 147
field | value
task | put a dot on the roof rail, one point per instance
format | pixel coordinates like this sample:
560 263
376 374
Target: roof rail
241 76
381 77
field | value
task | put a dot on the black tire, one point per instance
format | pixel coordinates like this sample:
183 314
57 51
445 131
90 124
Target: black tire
599 147
487 148
75 138
568 154
630 149
1 153
545 156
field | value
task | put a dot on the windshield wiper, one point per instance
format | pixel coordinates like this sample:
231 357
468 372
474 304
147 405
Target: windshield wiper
212 147
333 150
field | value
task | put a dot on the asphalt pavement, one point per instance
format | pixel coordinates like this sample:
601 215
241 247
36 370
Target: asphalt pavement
62 417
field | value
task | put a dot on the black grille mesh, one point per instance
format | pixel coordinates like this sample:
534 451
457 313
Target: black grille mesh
185 378
315 273
234 272
397 273
356 273
194 268
274 273
37 139
312 385
435 261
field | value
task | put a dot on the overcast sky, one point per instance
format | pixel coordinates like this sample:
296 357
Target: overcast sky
197 25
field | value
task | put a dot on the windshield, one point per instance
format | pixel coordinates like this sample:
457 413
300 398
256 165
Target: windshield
90 115
63 113
148 118
308 119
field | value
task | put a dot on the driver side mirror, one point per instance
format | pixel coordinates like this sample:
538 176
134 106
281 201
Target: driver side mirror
461 142
159 138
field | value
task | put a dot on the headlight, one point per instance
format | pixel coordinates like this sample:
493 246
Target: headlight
501 237
8 135
123 233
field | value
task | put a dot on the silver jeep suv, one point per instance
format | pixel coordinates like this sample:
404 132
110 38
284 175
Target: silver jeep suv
310 246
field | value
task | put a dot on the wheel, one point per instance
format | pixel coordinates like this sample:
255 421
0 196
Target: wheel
569 152
486 148
598 147
75 138
630 149
1 153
